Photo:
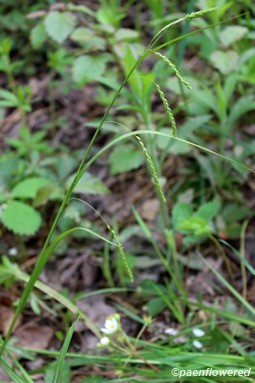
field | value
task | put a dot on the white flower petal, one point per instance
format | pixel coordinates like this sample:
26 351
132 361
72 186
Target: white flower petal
104 341
13 251
111 326
197 344
106 331
198 332
171 331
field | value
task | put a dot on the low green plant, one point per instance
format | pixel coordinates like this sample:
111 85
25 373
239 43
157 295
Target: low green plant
130 358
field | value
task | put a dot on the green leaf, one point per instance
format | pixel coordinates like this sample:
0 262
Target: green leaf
208 211
8 98
231 34
59 25
126 34
88 184
125 158
21 218
29 187
242 106
50 372
225 62
156 306
88 68
95 379
38 36
45 193
196 226
134 80
181 212
88 39
59 373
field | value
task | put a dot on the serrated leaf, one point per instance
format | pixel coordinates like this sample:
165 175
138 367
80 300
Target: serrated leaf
59 25
88 184
29 187
231 34
125 158
21 218
225 62
38 35
88 68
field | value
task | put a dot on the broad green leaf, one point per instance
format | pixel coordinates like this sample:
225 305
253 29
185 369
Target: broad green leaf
225 62
209 210
125 158
21 218
8 99
88 184
231 34
59 25
38 35
195 225
50 372
156 306
45 193
88 68
87 38
29 187
242 106
126 34
181 212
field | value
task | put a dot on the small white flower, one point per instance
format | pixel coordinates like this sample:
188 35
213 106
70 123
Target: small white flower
111 325
198 332
104 341
13 251
171 331
197 344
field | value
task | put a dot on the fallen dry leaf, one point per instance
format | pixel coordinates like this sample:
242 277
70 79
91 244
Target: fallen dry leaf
6 317
150 209
34 336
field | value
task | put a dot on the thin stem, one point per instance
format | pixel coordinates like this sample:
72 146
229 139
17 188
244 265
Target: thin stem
242 253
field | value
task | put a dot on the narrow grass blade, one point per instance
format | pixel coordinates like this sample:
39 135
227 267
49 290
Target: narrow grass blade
57 378
236 294
8 369
37 271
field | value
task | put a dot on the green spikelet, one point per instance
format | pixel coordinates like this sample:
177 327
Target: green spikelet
152 169
122 253
168 110
174 69
203 12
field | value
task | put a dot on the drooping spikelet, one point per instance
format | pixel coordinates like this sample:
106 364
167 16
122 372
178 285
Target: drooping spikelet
168 110
152 170
174 69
